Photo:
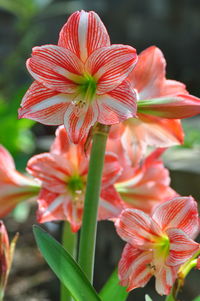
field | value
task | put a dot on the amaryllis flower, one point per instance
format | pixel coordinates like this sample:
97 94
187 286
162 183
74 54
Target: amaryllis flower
145 186
14 186
6 256
63 173
161 103
82 80
157 245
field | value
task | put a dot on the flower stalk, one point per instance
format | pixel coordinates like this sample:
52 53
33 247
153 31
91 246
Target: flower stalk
88 230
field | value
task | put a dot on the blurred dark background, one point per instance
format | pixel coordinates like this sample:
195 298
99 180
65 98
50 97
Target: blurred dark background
172 25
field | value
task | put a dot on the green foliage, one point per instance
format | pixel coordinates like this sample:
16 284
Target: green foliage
197 299
112 290
15 134
64 266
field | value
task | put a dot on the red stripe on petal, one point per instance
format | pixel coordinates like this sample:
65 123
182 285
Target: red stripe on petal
78 126
83 33
110 66
51 169
44 105
118 105
50 206
56 68
137 228
180 213
133 267
181 247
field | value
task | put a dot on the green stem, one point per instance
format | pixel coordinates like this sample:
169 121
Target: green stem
69 242
88 229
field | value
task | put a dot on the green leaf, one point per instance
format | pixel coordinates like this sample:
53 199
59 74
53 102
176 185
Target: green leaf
112 290
64 266
169 298
148 298
197 299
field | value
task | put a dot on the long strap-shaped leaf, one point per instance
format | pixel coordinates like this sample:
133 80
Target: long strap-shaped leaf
112 290
64 266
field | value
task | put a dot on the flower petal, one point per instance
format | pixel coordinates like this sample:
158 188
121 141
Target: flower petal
180 213
7 162
165 279
53 170
110 205
134 270
112 169
110 66
137 228
176 106
149 73
78 126
155 131
117 105
83 33
148 184
182 247
56 68
50 206
54 206
44 105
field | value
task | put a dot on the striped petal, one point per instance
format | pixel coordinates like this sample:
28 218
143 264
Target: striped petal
137 228
180 213
117 105
50 206
53 170
110 205
83 33
156 131
44 105
111 171
165 280
12 195
53 207
78 127
134 267
176 106
56 68
182 247
149 73
110 66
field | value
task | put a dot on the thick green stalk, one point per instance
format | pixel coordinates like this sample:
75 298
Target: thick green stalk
69 242
89 225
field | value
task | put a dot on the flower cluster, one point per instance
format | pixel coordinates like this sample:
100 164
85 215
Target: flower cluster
85 80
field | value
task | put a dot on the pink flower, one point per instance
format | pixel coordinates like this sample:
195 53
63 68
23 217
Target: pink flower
63 173
158 99
146 185
6 256
157 245
82 80
14 187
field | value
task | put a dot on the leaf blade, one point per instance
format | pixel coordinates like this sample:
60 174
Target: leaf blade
64 266
112 289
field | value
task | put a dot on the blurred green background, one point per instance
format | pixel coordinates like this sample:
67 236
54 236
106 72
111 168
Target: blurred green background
172 25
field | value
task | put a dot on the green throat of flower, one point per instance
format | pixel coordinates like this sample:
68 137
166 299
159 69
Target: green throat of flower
75 184
87 88
162 247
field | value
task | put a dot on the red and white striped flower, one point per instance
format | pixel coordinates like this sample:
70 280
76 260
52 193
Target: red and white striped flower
6 257
161 103
81 80
146 185
63 173
14 186
157 245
